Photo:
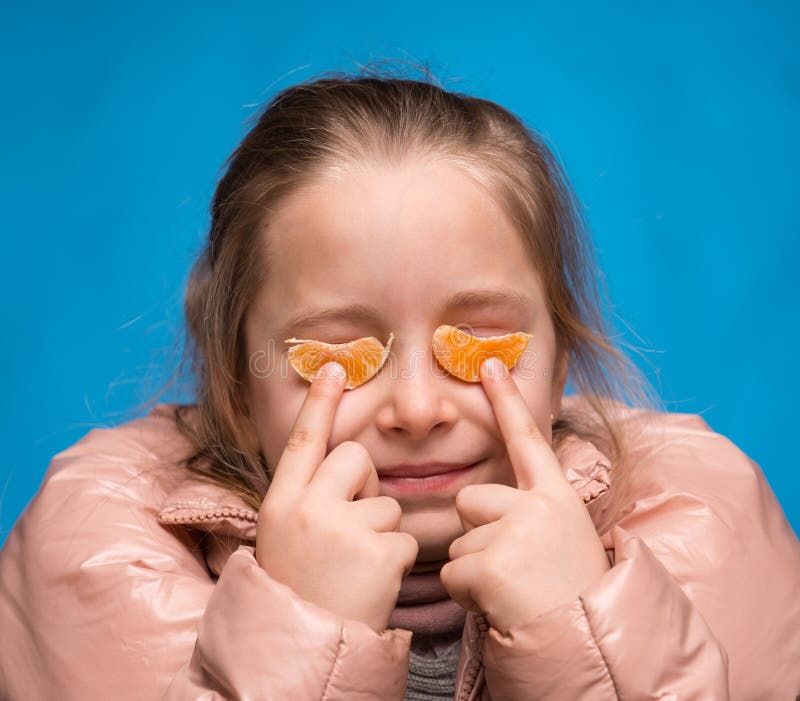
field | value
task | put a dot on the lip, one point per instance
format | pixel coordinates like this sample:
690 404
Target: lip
439 482
422 469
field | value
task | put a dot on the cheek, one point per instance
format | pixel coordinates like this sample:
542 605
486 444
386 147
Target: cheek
499 471
534 383
536 387
276 404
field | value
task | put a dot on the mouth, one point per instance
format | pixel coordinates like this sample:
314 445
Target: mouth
437 479
426 469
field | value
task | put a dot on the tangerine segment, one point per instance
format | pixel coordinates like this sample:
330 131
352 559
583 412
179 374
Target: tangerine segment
462 354
361 358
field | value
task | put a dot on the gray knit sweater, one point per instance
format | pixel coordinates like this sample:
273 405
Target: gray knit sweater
432 667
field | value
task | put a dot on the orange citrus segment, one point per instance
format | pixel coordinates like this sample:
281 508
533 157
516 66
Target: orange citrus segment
461 354
361 358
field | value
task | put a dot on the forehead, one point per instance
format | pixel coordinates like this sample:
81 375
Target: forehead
400 239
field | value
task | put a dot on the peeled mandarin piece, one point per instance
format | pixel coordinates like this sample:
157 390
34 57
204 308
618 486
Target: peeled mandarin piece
462 354
361 358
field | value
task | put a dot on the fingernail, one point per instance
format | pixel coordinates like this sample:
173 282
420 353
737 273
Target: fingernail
494 367
332 369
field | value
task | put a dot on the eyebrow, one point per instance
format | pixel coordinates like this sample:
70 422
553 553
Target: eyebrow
464 300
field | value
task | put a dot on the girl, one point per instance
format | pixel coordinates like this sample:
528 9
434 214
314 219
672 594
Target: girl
424 534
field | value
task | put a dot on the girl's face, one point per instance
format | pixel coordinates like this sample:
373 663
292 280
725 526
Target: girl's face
404 241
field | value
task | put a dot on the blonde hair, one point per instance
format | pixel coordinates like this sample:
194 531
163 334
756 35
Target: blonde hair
335 119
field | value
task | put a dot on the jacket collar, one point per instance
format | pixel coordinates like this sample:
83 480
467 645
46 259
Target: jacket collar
201 505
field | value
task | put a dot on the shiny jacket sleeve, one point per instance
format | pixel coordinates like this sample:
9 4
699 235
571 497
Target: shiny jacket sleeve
100 601
702 600
258 640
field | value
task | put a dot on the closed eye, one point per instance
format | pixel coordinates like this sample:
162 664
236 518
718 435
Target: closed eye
477 331
481 331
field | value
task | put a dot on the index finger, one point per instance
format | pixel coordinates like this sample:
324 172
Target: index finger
308 440
532 459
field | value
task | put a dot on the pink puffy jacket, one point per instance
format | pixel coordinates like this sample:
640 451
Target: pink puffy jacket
127 579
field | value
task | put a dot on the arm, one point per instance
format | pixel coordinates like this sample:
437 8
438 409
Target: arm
99 600
258 640
701 601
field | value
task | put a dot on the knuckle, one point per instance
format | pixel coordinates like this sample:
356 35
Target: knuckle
463 497
495 564
362 452
300 438
545 503
378 553
267 516
530 431
392 507
274 508
307 514
270 506
533 506
518 532
359 457
408 546
354 448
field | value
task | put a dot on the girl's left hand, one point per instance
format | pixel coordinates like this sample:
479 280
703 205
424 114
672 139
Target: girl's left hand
525 550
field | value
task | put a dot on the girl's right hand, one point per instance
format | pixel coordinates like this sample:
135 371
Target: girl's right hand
342 554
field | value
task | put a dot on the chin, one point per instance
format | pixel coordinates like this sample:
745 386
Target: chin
434 530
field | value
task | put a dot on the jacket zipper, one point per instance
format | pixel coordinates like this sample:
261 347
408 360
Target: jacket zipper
472 672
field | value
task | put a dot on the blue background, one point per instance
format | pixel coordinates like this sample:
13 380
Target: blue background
676 122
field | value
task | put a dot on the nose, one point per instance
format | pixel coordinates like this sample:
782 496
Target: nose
417 400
